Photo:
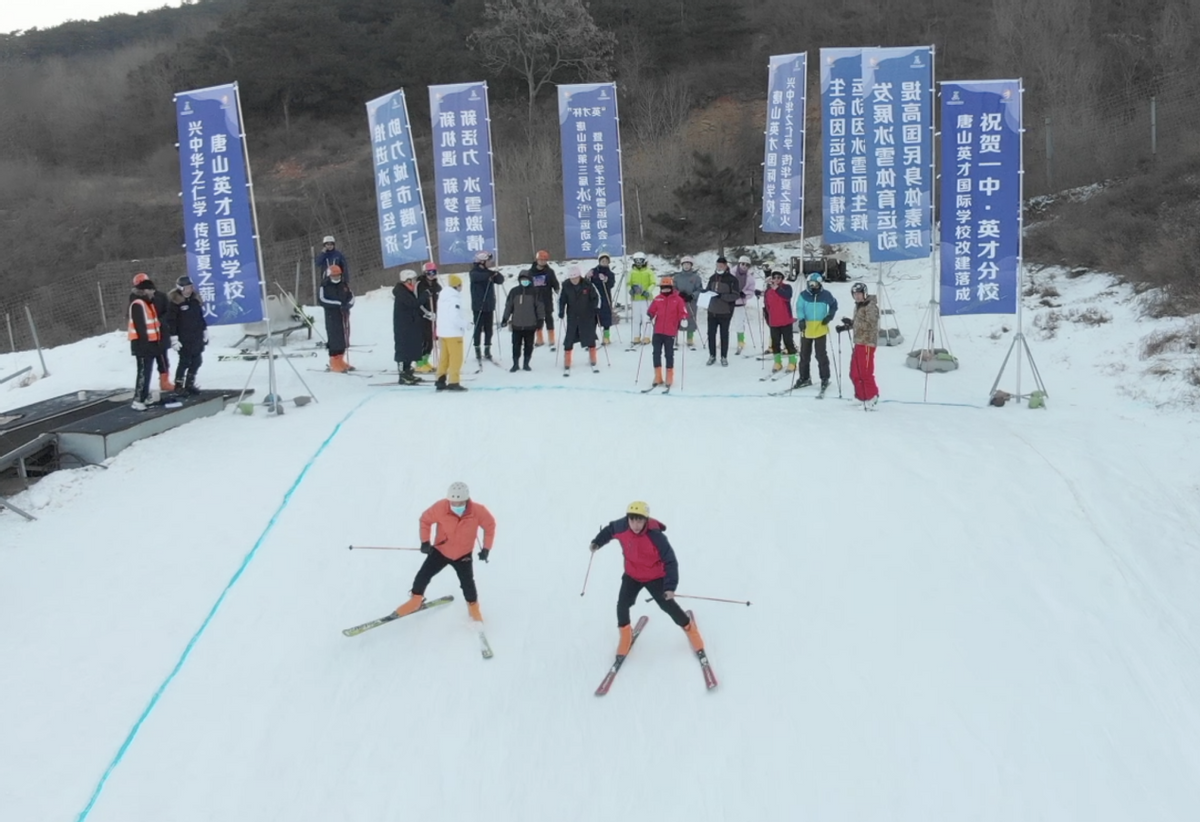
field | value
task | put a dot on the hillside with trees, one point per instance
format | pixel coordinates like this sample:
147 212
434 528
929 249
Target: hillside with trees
89 174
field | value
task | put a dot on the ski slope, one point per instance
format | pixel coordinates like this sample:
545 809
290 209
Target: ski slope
959 612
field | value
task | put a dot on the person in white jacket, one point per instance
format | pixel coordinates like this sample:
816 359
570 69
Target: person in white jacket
747 286
451 328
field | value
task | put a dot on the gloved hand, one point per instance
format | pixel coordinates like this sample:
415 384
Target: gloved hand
483 554
635 290
847 323
176 345
593 547
757 292
206 336
426 547
429 315
560 317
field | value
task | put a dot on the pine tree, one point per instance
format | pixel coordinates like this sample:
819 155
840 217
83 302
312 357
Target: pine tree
711 207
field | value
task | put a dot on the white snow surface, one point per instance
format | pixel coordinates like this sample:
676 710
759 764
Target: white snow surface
959 612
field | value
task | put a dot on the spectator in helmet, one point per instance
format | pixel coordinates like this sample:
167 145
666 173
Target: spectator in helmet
689 285
747 290
483 303
603 280
545 283
641 287
815 308
428 289
865 326
331 256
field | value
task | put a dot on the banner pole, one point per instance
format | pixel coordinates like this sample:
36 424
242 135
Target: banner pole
613 295
933 180
272 398
1020 229
417 173
492 173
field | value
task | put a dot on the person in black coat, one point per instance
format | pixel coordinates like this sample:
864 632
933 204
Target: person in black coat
190 329
337 301
720 310
525 311
406 326
603 280
578 303
483 302
428 289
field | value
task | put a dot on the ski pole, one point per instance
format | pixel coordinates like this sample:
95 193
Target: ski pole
839 363
638 375
381 548
589 572
710 599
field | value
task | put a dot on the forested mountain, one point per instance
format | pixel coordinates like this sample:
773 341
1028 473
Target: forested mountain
88 169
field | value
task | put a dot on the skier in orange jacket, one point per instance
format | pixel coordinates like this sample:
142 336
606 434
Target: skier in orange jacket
449 529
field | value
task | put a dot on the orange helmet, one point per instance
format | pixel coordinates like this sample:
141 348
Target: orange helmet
667 282
140 278
543 256
335 269
429 268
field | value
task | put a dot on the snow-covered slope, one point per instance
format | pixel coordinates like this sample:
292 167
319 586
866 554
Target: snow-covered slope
959 612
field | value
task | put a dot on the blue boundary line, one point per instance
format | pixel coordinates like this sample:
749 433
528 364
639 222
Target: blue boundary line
187 651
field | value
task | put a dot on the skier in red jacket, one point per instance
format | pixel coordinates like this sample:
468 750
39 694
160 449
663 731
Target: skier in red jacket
669 312
650 564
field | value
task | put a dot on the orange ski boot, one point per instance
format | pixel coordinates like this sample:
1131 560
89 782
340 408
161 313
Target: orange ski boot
626 640
693 635
414 602
473 610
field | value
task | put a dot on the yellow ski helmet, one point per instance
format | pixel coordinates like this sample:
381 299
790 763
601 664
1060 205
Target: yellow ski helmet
638 509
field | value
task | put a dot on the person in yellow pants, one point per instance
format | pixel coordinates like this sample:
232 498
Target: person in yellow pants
451 328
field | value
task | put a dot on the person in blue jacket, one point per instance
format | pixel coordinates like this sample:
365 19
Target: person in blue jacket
483 302
815 309
329 257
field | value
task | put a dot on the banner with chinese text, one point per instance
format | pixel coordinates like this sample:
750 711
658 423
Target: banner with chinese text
218 229
593 202
462 166
898 84
783 154
844 146
981 197
403 230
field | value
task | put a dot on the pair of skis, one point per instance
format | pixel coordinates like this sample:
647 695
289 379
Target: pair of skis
820 392
484 647
666 388
710 678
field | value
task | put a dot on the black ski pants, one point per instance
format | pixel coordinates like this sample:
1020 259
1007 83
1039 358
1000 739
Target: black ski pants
164 363
190 360
435 562
483 327
721 322
807 344
522 336
630 588
663 343
145 370
781 335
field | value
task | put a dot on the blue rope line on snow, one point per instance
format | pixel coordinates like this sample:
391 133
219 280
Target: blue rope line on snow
187 651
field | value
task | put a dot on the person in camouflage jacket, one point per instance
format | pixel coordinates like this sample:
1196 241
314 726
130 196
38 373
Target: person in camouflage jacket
865 327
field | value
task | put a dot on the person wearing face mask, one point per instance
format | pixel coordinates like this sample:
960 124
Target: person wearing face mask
720 310
545 281
331 256
747 289
577 306
816 308
602 279
641 284
451 329
406 326
649 563
449 530
668 311
689 285
336 299
523 312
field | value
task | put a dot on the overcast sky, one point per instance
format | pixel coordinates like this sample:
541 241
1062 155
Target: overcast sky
26 14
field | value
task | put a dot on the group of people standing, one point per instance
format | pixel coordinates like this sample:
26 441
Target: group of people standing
157 323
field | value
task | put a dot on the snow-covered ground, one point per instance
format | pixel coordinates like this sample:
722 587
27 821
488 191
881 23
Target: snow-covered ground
959 612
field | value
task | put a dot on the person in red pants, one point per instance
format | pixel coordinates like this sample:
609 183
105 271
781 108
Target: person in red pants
865 326
649 563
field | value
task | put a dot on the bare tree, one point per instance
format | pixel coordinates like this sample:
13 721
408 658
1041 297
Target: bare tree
543 40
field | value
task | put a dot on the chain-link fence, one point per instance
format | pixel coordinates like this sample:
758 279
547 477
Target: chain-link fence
1064 147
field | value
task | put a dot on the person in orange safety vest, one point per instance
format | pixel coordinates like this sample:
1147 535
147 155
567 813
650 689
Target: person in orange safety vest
145 337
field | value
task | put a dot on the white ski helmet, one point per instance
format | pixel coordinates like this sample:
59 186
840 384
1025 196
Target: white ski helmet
407 275
686 260
328 240
458 492
743 260
639 257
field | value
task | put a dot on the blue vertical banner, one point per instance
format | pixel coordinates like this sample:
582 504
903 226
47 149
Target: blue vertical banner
898 85
844 147
981 196
593 201
220 243
403 229
783 154
462 167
